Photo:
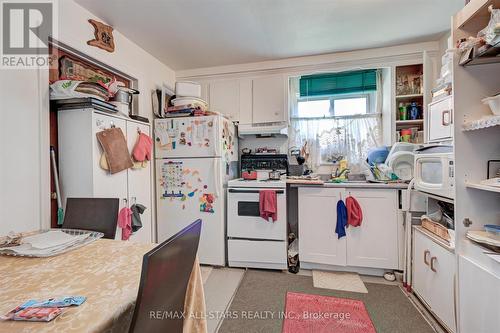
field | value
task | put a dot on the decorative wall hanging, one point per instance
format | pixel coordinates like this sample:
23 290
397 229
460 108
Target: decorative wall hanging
103 36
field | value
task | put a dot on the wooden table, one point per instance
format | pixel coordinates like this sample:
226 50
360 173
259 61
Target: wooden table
106 271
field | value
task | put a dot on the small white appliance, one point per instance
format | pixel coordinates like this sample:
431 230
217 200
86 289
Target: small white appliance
195 158
253 241
435 170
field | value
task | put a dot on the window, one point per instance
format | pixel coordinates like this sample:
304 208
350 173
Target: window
335 106
336 115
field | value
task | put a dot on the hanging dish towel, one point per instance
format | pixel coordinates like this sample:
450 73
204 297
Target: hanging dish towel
115 146
354 212
268 205
341 219
137 210
125 222
142 149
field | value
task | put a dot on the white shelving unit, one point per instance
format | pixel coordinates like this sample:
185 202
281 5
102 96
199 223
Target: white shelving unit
485 122
482 187
478 286
409 122
410 96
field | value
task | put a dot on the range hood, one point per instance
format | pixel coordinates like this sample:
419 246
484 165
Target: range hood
280 128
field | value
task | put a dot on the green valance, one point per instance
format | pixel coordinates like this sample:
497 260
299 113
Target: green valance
338 83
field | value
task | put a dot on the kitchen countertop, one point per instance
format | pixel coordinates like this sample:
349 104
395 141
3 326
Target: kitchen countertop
355 184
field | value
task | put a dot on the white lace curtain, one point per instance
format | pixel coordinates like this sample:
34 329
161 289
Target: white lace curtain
328 139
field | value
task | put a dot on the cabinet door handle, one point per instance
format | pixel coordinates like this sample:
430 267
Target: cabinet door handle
432 264
443 121
426 253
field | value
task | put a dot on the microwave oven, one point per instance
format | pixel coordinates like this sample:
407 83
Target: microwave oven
435 171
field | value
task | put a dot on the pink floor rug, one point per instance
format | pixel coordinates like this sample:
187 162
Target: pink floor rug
306 313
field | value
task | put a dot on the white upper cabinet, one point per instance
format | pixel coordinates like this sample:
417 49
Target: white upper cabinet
246 106
225 98
440 120
269 99
248 100
205 91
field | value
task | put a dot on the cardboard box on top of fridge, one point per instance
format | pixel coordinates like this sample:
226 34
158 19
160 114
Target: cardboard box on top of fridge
187 89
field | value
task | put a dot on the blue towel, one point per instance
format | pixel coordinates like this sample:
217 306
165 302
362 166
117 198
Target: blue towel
341 219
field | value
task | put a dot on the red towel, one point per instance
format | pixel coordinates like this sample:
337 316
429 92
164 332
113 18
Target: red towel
125 222
354 212
268 206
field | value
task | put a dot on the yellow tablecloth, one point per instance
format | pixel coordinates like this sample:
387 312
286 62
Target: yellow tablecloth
106 271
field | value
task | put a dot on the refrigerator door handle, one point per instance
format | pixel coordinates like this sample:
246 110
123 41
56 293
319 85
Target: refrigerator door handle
217 175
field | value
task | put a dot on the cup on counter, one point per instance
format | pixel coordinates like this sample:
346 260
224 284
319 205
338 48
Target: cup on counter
406 135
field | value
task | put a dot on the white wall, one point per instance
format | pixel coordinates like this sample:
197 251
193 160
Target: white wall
24 167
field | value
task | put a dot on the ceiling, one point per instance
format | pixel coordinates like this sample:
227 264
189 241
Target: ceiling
186 34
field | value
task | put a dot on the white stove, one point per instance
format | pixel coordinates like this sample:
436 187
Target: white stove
240 182
253 241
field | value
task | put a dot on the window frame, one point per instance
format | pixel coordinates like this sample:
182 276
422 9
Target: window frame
371 111
332 98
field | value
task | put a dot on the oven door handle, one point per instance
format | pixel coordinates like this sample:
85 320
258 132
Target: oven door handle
251 191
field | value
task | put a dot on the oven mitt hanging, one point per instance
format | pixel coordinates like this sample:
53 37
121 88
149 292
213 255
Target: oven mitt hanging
115 146
137 210
142 149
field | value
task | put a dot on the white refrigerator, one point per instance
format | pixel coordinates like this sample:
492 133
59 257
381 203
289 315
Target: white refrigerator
195 157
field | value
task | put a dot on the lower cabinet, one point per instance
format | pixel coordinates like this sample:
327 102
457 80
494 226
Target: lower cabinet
374 244
434 277
479 297
318 241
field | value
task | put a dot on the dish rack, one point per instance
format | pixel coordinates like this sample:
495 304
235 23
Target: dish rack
92 236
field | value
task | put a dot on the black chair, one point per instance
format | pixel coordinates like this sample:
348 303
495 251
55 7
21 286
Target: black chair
96 214
164 279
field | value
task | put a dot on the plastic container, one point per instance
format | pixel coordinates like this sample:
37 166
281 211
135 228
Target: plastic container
377 155
493 103
402 146
492 229
403 114
406 135
187 89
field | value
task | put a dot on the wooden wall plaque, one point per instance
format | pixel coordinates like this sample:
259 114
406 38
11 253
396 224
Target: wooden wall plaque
103 36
